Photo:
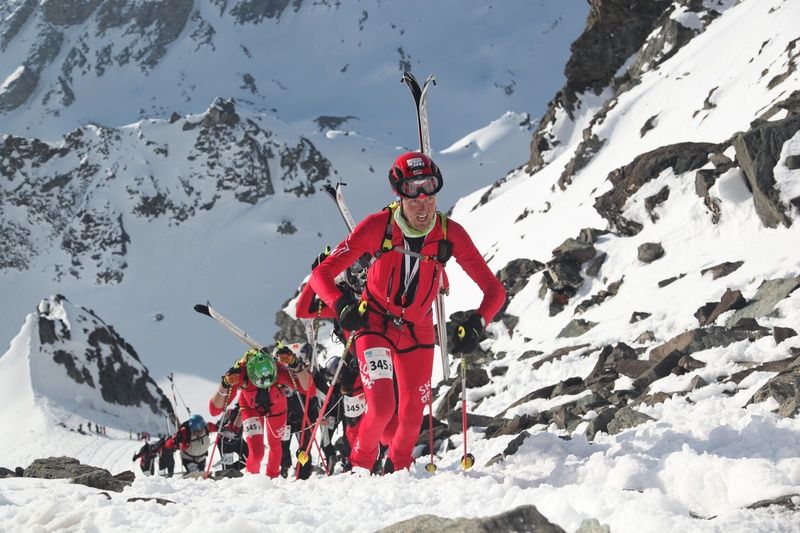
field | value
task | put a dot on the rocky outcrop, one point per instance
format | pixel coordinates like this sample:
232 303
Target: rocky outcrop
94 355
63 187
74 470
757 152
665 358
562 274
627 180
594 61
768 295
524 518
784 389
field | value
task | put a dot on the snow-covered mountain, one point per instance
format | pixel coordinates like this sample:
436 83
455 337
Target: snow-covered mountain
65 64
644 371
68 372
158 154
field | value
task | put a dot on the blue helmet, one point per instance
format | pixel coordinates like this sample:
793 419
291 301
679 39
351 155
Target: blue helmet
196 423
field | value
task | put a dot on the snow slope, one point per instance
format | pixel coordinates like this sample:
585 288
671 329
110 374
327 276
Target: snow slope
706 455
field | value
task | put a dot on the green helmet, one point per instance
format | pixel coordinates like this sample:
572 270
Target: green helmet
261 370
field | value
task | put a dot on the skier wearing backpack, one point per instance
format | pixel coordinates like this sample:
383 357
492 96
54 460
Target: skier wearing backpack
146 455
263 385
395 335
193 441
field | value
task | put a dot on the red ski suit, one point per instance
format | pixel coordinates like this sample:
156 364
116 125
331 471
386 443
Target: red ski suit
399 341
262 411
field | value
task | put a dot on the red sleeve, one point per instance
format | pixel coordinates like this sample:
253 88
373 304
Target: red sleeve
214 410
470 259
365 238
307 305
212 427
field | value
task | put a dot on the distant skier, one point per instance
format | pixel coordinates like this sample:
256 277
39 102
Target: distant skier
395 335
263 385
166 458
146 455
192 438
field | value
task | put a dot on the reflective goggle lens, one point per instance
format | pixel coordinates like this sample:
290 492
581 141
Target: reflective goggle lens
413 187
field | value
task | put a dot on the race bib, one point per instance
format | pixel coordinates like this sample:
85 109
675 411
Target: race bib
379 363
252 426
228 458
287 432
354 406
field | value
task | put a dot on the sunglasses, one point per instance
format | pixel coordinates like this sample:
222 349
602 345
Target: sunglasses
414 186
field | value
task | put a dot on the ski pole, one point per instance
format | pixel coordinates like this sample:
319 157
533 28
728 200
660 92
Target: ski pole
174 400
302 455
430 467
219 433
306 424
467 460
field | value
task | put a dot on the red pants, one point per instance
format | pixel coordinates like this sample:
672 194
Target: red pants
254 426
379 357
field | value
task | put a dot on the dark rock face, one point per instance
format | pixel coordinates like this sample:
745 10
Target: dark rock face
710 311
626 418
667 356
626 180
511 449
722 269
650 251
781 334
515 275
757 152
524 518
615 30
61 187
69 468
766 298
157 24
785 389
576 328
122 379
254 11
600 297
562 274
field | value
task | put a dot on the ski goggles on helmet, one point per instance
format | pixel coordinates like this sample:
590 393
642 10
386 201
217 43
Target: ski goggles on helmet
414 186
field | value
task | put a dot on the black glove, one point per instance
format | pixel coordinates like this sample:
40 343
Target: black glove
232 377
134 457
287 357
321 257
350 317
473 331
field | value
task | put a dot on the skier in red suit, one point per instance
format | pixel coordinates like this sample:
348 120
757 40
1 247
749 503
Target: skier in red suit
263 385
395 336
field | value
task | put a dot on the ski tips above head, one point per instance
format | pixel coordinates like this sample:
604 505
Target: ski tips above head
202 309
